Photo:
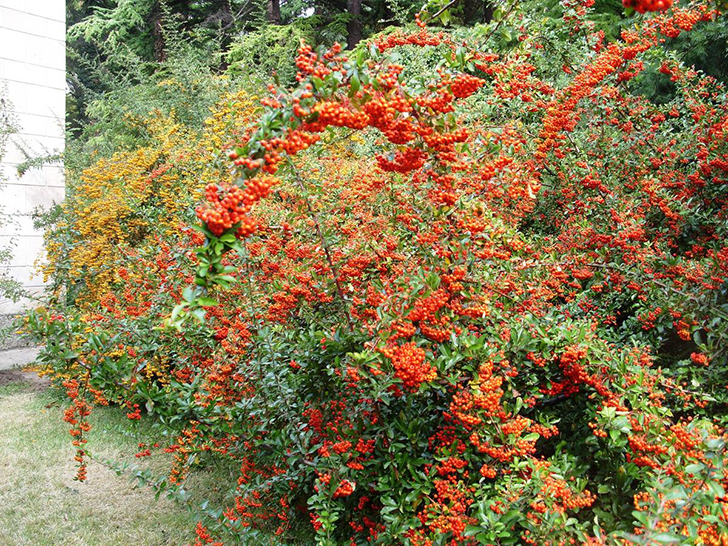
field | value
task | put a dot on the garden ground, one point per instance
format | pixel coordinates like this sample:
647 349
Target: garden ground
41 504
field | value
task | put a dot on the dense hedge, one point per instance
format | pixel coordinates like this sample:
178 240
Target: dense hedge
440 296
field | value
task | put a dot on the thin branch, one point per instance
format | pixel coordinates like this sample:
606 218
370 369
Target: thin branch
324 245
441 11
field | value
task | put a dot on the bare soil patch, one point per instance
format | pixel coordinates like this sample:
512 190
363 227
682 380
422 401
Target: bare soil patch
31 379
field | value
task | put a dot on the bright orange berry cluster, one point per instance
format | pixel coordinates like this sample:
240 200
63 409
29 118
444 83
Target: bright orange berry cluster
411 366
643 6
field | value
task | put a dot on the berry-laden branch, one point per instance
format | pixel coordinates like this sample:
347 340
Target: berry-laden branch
362 92
333 90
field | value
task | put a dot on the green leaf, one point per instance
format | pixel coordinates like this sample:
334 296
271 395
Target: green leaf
354 84
716 489
472 530
199 314
225 280
188 294
202 229
667 538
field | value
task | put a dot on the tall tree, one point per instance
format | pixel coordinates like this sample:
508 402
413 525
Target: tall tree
488 10
274 12
354 26
156 16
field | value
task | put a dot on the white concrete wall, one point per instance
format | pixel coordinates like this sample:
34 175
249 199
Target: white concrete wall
33 70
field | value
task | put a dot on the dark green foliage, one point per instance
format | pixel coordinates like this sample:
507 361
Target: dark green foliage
271 50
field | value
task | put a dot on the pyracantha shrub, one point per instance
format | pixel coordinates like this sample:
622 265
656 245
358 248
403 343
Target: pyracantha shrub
482 304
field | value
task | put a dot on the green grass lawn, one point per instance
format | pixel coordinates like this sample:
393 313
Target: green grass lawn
41 504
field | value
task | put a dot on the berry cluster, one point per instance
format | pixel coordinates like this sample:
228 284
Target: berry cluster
228 205
77 416
643 6
344 489
410 365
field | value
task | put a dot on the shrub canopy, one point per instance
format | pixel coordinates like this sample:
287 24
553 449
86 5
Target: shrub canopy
460 287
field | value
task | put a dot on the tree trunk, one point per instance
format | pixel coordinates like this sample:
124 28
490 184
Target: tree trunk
353 27
472 11
488 9
226 14
160 53
274 12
